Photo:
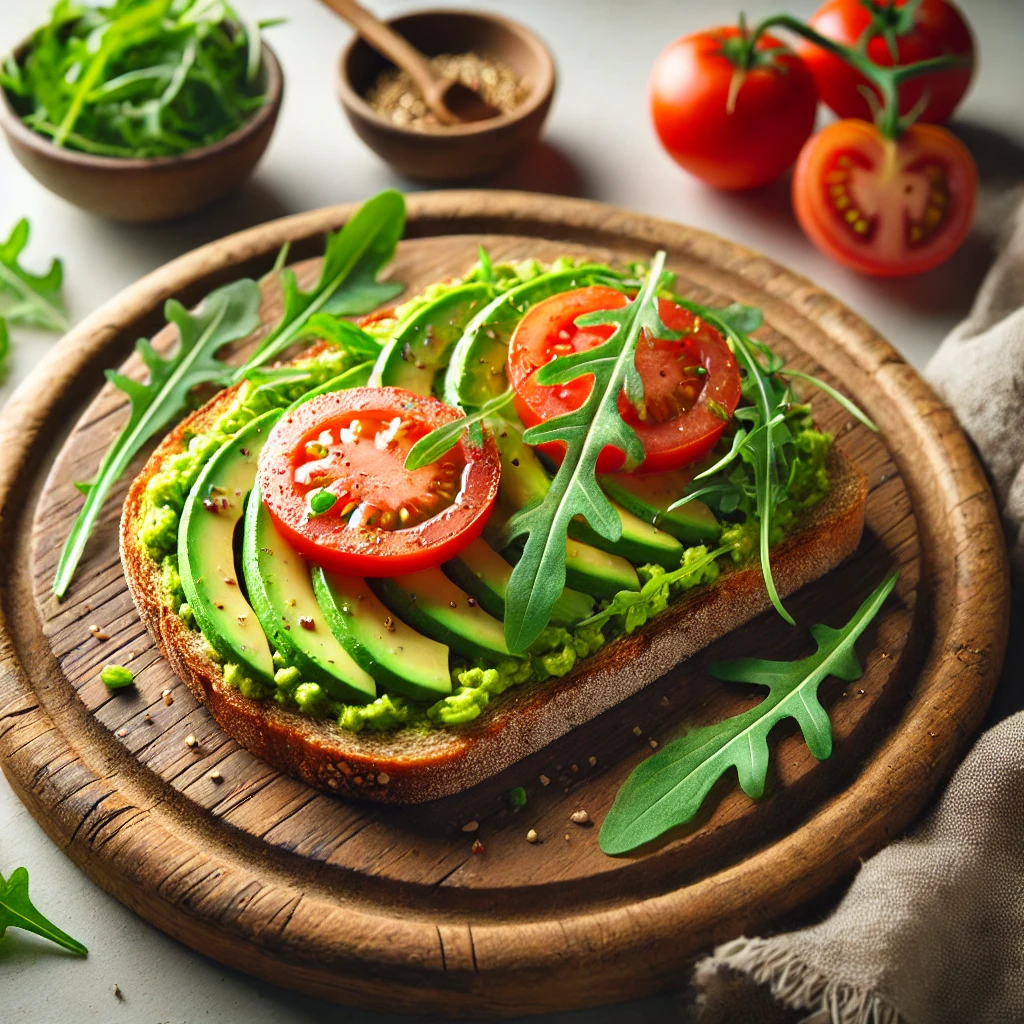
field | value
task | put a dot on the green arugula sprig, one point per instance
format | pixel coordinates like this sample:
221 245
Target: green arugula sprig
539 575
31 300
139 78
227 314
443 439
353 258
763 438
669 788
17 911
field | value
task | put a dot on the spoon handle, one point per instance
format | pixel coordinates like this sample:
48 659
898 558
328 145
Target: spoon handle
397 49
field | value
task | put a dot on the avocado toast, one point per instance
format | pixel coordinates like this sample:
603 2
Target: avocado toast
408 686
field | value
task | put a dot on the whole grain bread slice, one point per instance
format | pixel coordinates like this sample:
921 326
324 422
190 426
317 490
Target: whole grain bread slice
413 765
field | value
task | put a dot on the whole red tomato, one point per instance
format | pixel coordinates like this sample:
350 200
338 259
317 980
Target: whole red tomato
883 206
933 29
730 127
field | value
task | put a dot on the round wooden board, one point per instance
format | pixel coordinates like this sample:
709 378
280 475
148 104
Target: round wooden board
388 907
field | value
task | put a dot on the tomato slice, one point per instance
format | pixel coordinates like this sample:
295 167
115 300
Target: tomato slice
691 386
885 207
332 476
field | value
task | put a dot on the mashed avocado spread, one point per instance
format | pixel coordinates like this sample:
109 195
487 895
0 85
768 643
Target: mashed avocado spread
558 649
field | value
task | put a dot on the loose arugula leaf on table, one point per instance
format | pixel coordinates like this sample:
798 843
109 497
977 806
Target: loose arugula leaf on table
348 285
539 575
31 300
443 439
228 314
17 911
668 789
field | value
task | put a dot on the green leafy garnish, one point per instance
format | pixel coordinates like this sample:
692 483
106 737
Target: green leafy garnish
539 575
763 440
32 300
517 797
228 314
442 439
348 285
138 78
17 911
668 789
344 333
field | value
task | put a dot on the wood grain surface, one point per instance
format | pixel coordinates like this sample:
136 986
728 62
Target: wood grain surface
389 907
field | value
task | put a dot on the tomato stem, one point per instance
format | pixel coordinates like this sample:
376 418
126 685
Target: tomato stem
886 79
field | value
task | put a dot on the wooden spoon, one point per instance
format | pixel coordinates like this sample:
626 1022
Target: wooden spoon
450 101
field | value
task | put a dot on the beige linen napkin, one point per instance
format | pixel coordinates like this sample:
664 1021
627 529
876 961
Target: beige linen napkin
932 929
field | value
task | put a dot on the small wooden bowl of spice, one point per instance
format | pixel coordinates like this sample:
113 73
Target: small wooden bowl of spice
175 116
509 66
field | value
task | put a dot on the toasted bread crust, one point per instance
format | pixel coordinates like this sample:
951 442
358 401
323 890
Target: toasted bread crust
413 766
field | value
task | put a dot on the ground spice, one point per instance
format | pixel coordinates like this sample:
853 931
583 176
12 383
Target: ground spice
397 99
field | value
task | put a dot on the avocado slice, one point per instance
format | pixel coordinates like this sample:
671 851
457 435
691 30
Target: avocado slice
401 659
206 559
524 479
648 496
430 602
476 370
421 345
484 574
281 592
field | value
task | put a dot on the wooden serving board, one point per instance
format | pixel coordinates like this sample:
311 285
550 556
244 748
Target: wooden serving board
389 907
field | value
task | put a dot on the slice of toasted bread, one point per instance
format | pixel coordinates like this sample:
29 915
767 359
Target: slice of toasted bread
411 765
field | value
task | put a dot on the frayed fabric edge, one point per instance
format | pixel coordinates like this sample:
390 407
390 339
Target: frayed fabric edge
795 983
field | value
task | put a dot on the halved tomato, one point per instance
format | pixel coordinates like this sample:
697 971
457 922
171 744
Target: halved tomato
691 386
332 476
882 206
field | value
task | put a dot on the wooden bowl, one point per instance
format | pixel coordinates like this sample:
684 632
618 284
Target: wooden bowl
147 189
463 151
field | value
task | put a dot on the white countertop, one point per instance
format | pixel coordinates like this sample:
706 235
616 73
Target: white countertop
600 145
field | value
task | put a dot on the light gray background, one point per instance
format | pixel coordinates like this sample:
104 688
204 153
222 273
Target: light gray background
599 145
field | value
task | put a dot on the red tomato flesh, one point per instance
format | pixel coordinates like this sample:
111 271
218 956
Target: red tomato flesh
938 29
691 386
385 520
885 207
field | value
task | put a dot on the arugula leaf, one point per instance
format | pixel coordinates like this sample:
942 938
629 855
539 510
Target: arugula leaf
539 575
228 314
668 789
836 396
17 911
139 78
348 285
444 438
32 300
343 333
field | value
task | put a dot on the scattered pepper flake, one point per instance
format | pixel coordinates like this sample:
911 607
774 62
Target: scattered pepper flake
477 847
